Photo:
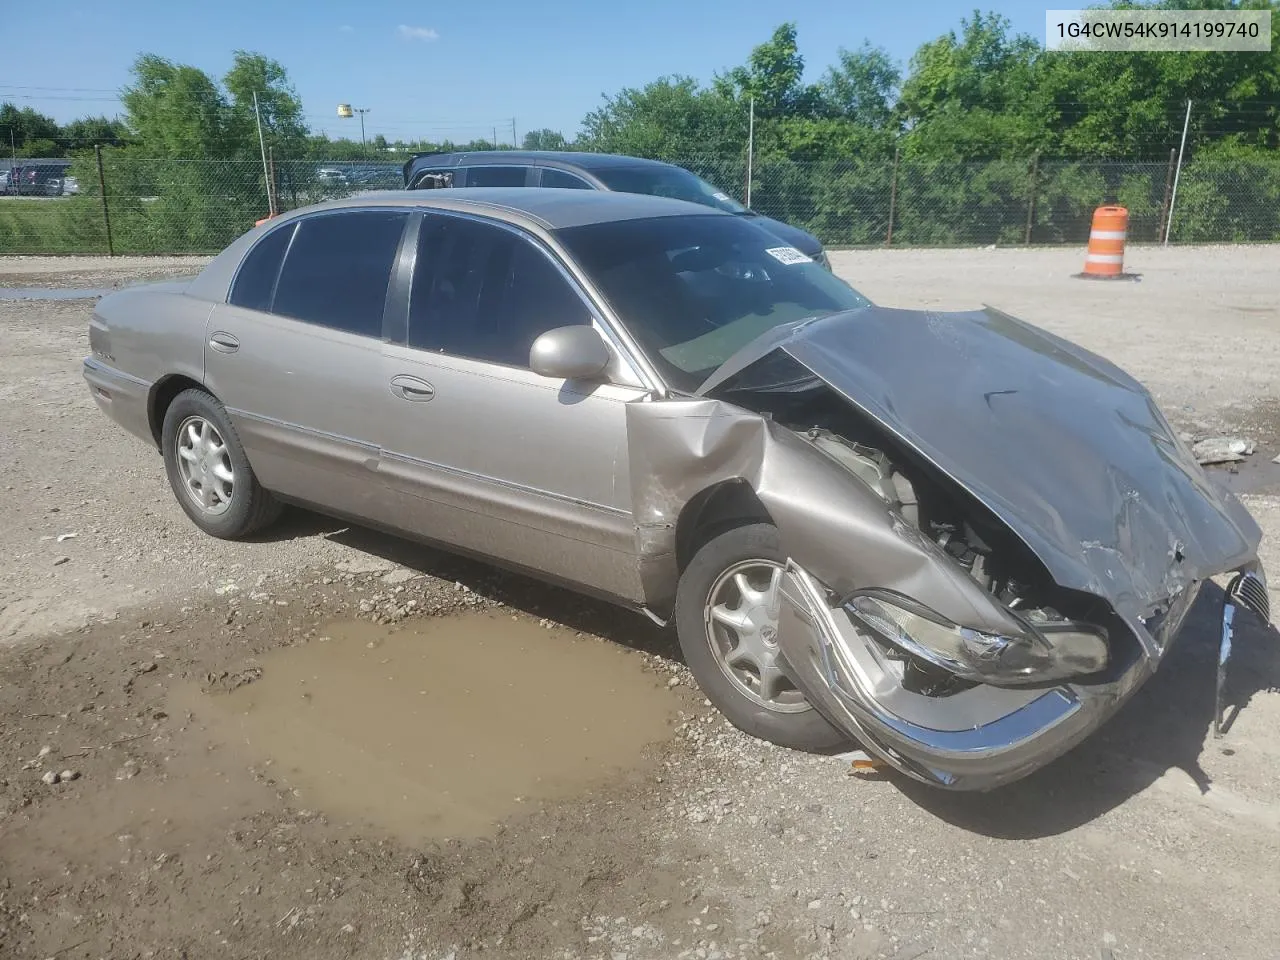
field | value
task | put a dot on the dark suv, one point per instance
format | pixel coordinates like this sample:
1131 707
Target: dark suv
588 171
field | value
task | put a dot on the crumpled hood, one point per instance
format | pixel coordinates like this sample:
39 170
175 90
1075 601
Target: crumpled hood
1063 446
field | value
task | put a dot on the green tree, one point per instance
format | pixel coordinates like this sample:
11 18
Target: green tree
974 95
88 131
17 127
862 86
278 104
773 77
175 110
670 118
544 139
1131 104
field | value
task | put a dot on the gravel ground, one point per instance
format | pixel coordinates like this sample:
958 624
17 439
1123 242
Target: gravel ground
1152 839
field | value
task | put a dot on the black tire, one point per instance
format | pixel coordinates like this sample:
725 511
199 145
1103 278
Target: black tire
250 508
808 730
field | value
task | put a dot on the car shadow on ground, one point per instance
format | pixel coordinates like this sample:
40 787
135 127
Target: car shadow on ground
1166 726
538 598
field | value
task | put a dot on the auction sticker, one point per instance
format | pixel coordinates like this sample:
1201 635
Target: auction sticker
788 255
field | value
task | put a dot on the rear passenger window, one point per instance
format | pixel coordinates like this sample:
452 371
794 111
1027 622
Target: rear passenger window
485 293
338 268
257 275
558 178
496 176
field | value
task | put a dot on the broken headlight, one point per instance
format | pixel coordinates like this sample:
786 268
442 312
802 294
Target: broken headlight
1047 652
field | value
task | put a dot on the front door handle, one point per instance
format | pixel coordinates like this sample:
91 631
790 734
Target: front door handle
224 342
412 388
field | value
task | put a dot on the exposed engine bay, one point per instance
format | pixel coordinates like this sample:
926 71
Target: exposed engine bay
973 539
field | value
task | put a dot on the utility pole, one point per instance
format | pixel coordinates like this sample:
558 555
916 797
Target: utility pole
514 143
751 145
1168 227
266 168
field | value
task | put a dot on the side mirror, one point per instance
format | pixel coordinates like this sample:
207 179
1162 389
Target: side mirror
570 353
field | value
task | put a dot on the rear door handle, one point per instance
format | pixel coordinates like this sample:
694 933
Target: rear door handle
412 388
224 342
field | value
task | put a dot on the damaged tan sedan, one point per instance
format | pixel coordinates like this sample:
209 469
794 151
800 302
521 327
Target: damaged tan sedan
953 538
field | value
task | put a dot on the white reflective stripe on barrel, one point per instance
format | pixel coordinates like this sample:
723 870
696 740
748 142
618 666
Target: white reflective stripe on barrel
1106 234
1104 258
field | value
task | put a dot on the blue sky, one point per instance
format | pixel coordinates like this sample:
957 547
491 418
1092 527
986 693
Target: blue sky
445 70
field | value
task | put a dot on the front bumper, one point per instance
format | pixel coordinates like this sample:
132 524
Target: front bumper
977 739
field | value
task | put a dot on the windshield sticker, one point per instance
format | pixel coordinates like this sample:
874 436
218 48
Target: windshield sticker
788 255
720 196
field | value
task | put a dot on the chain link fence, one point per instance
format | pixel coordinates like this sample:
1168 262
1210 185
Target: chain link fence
113 202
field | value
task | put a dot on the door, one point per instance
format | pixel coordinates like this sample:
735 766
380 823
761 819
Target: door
296 356
488 455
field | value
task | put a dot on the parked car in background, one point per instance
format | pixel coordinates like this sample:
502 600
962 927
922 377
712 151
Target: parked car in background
952 537
6 177
590 171
332 176
41 178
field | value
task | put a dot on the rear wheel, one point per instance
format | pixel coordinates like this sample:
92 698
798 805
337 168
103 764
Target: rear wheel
726 617
208 470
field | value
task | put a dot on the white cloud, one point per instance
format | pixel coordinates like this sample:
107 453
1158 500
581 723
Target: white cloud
417 33
347 28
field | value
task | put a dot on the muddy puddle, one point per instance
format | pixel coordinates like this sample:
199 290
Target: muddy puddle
443 727
1258 474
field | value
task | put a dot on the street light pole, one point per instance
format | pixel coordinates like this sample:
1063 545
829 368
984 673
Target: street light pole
347 111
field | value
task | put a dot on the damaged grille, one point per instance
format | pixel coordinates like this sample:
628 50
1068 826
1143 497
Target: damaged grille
1164 621
1248 590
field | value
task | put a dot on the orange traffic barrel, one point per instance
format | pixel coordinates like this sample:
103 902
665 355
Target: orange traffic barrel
1105 259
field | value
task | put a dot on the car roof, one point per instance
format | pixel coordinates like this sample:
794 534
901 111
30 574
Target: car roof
541 208
551 208
561 158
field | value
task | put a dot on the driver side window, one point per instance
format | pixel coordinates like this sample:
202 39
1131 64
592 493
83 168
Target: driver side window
484 292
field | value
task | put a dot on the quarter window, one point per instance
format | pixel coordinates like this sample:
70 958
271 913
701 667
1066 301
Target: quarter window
485 293
256 278
496 176
337 270
558 178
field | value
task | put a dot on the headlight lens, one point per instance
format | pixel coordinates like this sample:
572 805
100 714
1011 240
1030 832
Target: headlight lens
1053 653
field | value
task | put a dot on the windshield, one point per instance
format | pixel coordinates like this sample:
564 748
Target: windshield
693 290
674 182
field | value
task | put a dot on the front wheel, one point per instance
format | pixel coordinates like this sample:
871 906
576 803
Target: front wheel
208 470
726 616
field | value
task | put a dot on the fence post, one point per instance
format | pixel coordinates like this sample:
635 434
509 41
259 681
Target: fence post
1031 203
1168 187
271 190
893 198
102 188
